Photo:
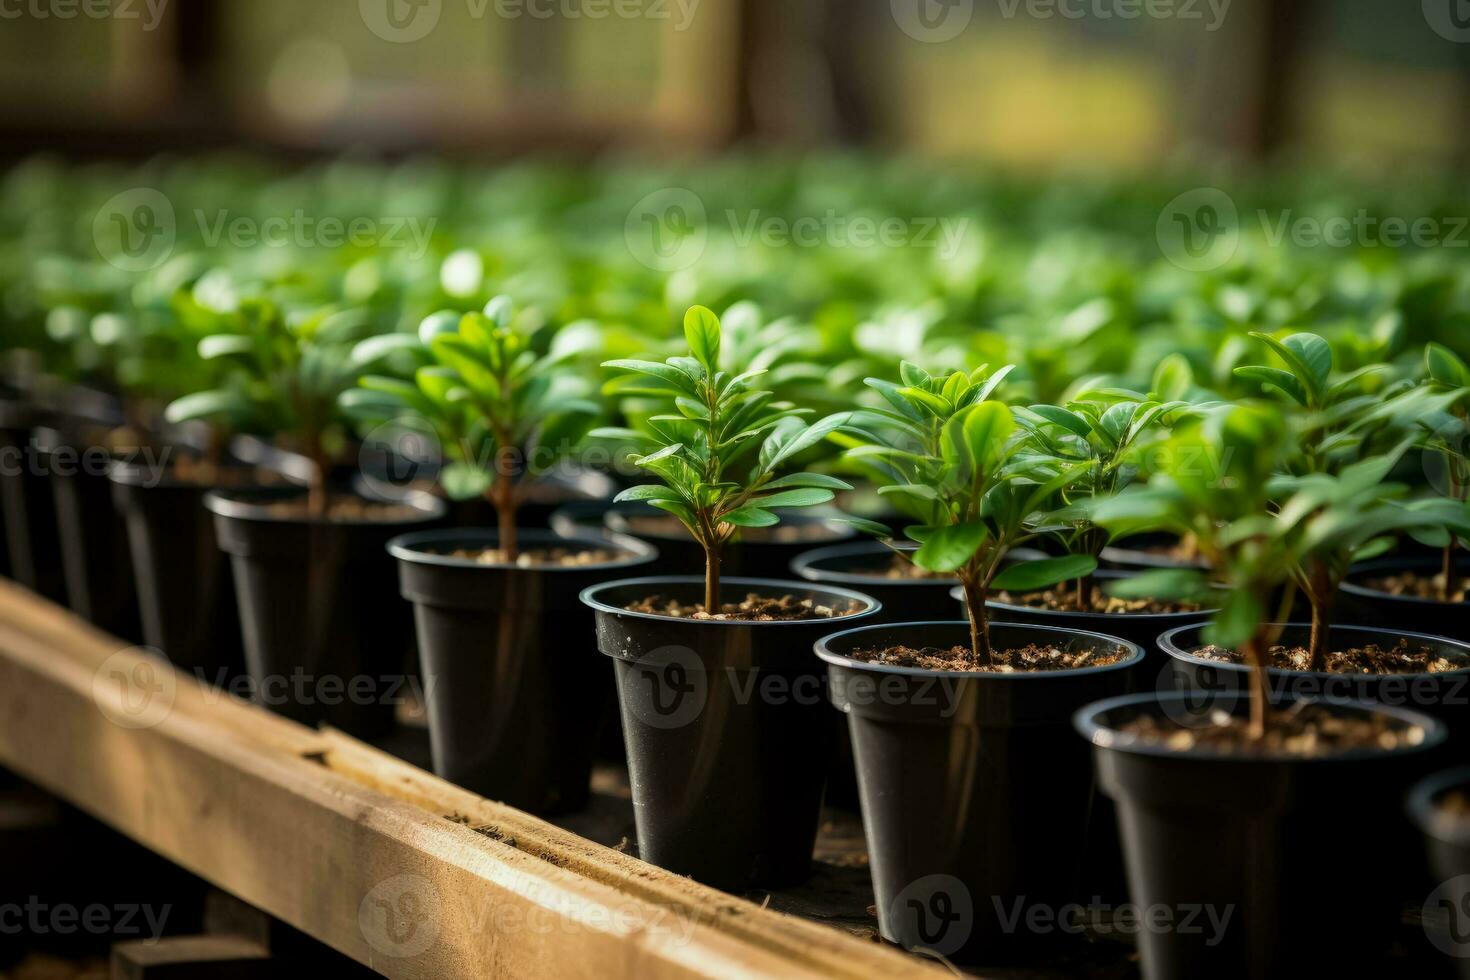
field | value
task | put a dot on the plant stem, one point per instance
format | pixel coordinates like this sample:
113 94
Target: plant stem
1320 595
1084 593
317 498
712 579
1255 656
502 494
975 595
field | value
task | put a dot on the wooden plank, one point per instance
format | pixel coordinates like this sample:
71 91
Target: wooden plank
385 863
193 958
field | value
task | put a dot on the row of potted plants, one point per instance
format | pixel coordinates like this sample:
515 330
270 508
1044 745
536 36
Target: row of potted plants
972 780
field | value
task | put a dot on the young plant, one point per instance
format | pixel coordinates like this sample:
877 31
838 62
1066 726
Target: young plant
1100 435
1441 407
289 370
501 412
1331 471
1209 480
701 449
956 462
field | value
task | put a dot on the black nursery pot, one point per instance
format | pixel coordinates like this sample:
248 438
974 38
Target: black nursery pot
1247 867
861 565
326 635
514 690
1140 629
185 592
1444 696
756 553
33 549
1370 607
94 547
975 792
726 728
1447 910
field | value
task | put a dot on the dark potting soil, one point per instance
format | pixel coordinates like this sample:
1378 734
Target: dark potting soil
1031 658
1183 550
1304 731
753 608
1415 586
347 509
1372 659
1064 599
539 557
779 534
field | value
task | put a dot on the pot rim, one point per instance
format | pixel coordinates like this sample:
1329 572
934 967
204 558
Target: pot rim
589 597
824 651
804 564
1066 615
1169 646
1085 722
229 504
1422 811
1378 566
407 548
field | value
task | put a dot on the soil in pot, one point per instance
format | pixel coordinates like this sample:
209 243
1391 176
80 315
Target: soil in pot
185 591
1440 806
965 834
515 691
1226 840
1406 593
727 731
326 636
1424 673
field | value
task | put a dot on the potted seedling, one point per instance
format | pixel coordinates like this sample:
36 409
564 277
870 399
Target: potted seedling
514 692
1222 797
1101 437
749 343
324 636
1428 594
726 735
951 718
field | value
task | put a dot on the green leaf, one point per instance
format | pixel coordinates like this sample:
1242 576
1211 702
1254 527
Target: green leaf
367 352
947 549
987 426
865 526
664 372
750 516
207 404
702 332
499 311
224 345
795 498
935 405
1060 416
820 480
1176 584
1236 622
1445 367
1172 378
786 441
438 324
647 491
462 481
1028 576
1283 381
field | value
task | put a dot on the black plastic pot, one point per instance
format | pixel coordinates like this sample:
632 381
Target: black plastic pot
326 635
861 565
1298 853
583 518
1137 553
1447 909
185 593
975 793
94 546
514 689
1444 696
32 547
749 555
1370 607
1140 629
727 730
